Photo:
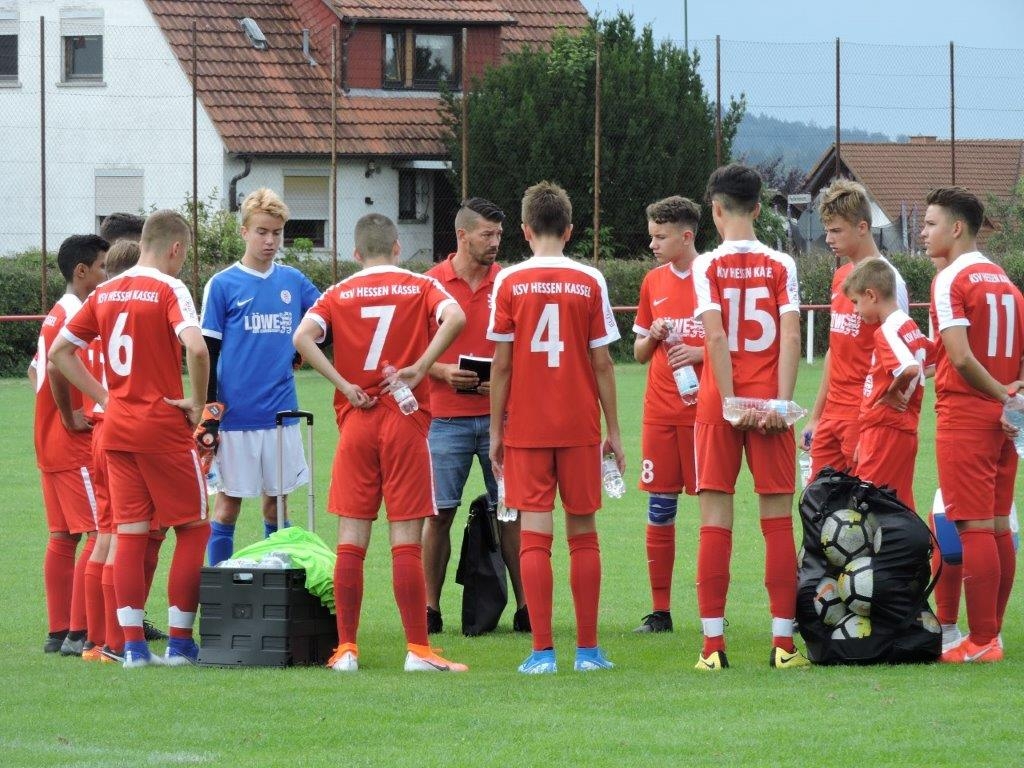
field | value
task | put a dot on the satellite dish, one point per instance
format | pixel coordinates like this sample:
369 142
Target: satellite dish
255 34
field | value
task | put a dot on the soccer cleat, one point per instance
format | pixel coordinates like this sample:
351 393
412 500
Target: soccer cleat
423 658
783 659
109 654
181 652
589 659
93 654
137 654
714 661
151 632
540 663
658 621
969 652
345 658
72 647
54 640
435 625
521 620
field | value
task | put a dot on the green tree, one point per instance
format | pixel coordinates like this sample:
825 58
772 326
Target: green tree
532 118
1008 216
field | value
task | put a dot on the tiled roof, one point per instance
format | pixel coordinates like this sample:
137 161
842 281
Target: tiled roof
274 102
458 11
385 125
538 20
905 172
266 102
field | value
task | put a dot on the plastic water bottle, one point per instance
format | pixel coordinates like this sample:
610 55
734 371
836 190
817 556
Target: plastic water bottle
503 513
612 478
734 408
1013 410
399 390
805 469
213 479
687 382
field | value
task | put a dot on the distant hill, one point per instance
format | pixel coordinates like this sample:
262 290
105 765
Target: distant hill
761 138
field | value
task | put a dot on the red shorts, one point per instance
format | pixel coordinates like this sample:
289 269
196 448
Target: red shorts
771 459
104 516
669 464
531 475
164 489
886 456
833 445
977 469
70 500
382 455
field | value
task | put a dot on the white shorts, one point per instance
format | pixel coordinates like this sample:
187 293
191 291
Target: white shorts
247 461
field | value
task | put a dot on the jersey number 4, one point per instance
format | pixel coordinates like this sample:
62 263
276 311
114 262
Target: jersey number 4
546 338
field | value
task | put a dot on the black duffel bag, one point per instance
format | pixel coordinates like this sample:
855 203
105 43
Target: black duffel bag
481 571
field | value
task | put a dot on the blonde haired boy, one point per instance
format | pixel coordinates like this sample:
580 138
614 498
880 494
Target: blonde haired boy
250 311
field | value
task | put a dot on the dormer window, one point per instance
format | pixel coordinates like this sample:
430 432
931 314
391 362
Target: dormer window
421 58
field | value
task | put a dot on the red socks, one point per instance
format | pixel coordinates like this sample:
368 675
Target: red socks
714 551
78 617
130 583
410 591
58 577
981 583
348 591
947 588
183 578
113 637
156 538
95 615
1007 570
535 568
661 558
780 573
585 583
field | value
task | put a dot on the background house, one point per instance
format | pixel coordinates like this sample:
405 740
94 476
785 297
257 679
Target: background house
898 177
118 79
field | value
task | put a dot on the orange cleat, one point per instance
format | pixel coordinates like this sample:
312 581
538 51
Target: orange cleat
423 658
969 652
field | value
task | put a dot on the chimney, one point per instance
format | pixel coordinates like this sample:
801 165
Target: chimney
923 139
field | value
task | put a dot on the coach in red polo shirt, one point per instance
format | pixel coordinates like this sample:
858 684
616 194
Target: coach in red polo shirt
460 403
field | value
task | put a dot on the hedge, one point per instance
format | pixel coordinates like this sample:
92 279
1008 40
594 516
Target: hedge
19 293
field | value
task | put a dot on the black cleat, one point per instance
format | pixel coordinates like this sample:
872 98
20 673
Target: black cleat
658 621
54 641
151 632
521 620
435 625
73 644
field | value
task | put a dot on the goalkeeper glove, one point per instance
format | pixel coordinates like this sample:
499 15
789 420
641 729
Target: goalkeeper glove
207 434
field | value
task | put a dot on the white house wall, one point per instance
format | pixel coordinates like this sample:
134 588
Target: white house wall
138 120
354 188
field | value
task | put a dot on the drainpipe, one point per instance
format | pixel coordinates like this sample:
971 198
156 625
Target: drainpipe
233 184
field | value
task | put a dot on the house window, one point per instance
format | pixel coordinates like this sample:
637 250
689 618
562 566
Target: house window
8 44
117 190
81 32
421 59
413 195
308 200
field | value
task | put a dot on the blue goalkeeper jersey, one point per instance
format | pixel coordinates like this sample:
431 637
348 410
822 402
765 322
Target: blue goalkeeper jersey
254 315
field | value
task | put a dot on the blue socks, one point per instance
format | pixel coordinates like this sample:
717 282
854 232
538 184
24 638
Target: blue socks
269 528
221 543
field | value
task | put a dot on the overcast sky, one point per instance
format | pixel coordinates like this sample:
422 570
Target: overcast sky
894 59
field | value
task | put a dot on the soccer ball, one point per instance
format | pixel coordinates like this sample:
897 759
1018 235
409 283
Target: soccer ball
827 603
874 529
844 536
929 622
852 627
856 585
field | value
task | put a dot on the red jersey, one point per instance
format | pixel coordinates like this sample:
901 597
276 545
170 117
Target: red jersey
379 314
139 316
553 310
57 449
94 362
851 342
445 402
667 293
752 286
975 293
899 344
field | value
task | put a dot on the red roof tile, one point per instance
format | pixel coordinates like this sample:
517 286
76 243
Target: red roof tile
455 11
383 125
905 172
538 20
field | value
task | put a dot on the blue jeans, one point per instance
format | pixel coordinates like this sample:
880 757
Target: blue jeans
453 443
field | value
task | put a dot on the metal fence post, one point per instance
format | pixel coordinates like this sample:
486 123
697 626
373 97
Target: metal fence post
810 336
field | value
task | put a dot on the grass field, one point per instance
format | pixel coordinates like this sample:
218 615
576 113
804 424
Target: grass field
652 709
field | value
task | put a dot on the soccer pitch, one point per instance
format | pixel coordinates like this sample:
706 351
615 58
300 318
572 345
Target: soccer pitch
652 709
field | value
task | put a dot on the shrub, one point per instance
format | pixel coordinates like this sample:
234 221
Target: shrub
19 295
